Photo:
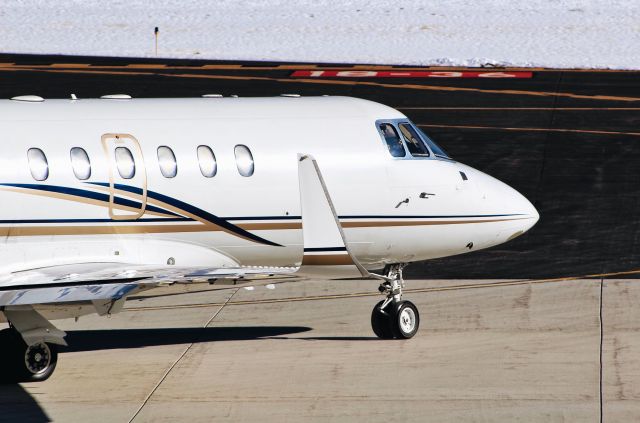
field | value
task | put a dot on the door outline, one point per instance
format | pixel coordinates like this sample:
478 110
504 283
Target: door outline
113 139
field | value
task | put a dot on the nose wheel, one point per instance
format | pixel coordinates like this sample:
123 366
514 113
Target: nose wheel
394 317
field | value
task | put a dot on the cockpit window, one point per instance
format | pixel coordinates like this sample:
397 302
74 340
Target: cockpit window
394 143
437 150
414 142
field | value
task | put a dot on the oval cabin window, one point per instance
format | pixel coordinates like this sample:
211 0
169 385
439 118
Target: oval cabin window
207 161
80 163
38 164
244 160
124 162
167 162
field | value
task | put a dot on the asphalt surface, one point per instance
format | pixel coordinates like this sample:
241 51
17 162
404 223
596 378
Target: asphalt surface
568 140
486 351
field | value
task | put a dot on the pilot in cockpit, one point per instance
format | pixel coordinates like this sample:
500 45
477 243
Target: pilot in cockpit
394 143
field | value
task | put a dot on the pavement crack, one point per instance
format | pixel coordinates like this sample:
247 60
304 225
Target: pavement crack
601 343
186 350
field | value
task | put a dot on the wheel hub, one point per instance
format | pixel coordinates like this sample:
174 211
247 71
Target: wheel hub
407 320
37 357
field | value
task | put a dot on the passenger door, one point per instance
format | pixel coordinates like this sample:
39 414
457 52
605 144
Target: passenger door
127 176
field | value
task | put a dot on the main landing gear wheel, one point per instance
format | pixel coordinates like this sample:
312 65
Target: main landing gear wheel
25 363
393 317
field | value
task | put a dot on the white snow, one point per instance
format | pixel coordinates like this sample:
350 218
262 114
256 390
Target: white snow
550 33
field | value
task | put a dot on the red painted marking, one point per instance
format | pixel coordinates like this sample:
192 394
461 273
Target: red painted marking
407 74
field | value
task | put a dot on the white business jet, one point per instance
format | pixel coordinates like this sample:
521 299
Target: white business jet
104 198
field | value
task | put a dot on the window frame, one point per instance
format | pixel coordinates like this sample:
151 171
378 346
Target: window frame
396 124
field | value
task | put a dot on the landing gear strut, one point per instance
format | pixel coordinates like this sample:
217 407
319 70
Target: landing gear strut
393 317
20 362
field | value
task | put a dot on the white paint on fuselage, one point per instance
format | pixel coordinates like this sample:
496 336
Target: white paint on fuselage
364 181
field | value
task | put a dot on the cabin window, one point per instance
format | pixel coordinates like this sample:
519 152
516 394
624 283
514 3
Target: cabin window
80 163
124 162
207 161
414 143
244 160
167 162
38 164
394 143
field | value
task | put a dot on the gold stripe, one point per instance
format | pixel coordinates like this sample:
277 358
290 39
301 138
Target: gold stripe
210 225
381 224
73 198
97 230
326 260
269 226
164 228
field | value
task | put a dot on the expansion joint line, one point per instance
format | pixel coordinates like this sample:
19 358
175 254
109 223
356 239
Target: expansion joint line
186 350
601 343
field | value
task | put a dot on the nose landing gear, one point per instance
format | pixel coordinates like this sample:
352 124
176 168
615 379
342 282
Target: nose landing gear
393 317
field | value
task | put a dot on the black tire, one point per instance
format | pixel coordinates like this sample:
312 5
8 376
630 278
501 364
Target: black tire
381 322
22 363
405 320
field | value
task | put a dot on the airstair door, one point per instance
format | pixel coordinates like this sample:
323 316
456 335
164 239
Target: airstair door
127 176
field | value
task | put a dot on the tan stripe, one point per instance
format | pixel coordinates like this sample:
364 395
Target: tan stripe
498 128
381 224
326 260
269 226
75 199
98 230
417 87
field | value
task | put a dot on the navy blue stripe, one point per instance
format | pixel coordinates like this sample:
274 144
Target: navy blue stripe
315 250
429 217
159 219
203 214
83 193
262 218
235 218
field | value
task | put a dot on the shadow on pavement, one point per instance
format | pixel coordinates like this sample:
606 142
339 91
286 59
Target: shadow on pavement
92 340
17 405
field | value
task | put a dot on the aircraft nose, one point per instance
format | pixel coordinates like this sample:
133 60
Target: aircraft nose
532 215
525 214
500 198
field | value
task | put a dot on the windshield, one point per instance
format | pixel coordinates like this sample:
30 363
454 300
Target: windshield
437 150
414 143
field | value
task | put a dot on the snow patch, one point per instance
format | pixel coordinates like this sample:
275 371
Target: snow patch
548 33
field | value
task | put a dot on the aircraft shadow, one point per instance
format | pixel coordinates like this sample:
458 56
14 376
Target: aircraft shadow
17 405
107 339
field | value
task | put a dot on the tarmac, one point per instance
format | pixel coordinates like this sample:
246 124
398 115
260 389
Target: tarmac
559 350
